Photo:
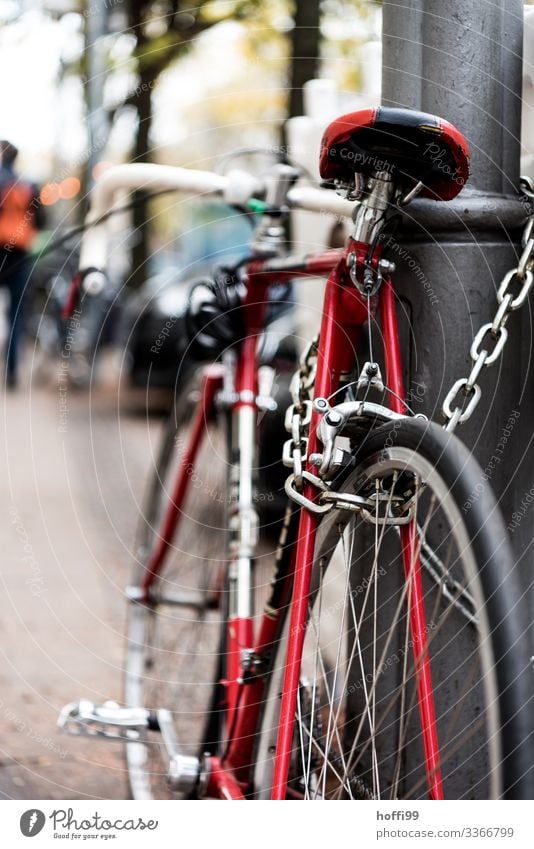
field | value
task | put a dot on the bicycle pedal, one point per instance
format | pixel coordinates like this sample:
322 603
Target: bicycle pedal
108 720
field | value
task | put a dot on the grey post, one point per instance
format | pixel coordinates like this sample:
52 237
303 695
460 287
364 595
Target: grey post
97 118
462 60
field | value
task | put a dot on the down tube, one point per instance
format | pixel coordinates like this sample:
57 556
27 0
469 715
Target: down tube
212 381
336 356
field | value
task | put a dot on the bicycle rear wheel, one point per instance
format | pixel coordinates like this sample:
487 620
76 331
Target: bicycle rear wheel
175 650
358 727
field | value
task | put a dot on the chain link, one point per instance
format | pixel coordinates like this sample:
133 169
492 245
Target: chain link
489 342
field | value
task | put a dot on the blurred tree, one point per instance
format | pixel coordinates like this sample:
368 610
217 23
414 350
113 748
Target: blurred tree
304 51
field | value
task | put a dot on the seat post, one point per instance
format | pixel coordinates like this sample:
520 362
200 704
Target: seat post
375 204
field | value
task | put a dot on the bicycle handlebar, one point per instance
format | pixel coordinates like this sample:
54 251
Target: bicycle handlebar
236 188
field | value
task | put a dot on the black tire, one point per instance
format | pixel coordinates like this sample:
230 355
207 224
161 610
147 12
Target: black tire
481 672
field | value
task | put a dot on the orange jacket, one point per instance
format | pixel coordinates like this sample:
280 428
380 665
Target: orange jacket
18 204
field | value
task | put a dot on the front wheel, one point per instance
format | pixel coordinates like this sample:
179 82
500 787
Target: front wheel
360 723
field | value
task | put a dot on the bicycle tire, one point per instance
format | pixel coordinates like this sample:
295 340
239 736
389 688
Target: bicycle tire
489 753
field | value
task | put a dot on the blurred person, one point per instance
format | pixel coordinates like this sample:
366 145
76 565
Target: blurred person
20 216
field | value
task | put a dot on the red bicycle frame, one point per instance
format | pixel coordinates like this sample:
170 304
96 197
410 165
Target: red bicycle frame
345 311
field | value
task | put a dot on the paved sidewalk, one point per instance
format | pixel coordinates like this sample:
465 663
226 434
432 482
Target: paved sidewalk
72 469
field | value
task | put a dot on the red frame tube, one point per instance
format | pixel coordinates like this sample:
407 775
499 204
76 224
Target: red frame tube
411 560
211 383
222 783
425 690
392 352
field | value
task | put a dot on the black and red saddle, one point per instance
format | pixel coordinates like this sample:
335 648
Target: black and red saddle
412 146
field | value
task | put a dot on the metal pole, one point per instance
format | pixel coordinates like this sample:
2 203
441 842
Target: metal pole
462 60
97 118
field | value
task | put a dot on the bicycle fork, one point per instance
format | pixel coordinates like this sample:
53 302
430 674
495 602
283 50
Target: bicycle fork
243 525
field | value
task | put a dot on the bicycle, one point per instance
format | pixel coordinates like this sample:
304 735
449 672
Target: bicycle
413 682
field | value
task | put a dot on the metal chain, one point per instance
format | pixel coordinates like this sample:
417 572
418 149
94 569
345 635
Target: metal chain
298 414
295 453
489 342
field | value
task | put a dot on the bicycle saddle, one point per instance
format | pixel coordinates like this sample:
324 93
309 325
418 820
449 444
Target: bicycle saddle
412 146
